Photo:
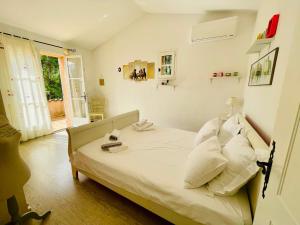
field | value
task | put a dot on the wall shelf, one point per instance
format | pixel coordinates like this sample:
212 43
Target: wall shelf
259 44
225 77
172 86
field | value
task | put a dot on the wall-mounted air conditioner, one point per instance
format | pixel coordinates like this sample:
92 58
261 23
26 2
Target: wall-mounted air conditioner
215 30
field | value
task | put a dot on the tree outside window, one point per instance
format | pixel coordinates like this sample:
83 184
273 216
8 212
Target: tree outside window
51 76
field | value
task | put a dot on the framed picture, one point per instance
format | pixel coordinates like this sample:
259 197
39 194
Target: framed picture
167 65
262 71
139 70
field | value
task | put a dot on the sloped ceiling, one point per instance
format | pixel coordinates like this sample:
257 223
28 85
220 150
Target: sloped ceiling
88 23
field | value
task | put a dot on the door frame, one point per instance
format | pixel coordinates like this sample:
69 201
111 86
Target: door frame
64 84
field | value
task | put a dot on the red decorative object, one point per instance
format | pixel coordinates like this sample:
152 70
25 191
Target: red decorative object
272 27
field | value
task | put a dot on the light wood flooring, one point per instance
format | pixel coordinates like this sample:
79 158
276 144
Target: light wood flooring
82 202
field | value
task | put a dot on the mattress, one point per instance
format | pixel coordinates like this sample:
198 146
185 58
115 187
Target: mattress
153 168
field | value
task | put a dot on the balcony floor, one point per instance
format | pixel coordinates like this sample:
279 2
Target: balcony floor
59 124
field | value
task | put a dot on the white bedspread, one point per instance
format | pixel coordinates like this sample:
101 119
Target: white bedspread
153 167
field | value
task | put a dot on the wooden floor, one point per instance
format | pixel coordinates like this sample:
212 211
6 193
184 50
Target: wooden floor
82 202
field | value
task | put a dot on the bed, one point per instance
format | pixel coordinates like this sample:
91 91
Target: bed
149 173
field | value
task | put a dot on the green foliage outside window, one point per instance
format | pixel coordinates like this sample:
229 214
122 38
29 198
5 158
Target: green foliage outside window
51 77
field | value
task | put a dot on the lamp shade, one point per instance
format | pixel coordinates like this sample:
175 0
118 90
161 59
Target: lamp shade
14 172
232 101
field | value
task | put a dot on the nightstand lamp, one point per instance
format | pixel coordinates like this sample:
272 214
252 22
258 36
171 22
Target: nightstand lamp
14 173
233 103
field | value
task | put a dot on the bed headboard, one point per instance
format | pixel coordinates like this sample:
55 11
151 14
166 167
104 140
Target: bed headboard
79 136
257 141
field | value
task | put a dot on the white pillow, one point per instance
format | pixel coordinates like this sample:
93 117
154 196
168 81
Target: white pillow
230 128
241 167
208 130
204 163
262 154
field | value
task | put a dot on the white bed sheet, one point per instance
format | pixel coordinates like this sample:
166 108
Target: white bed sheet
153 167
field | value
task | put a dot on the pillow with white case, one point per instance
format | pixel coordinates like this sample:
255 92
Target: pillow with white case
241 167
208 130
204 163
230 128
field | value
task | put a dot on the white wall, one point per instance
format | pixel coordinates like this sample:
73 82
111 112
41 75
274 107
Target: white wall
86 54
194 100
261 103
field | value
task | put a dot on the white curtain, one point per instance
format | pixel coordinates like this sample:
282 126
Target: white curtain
22 83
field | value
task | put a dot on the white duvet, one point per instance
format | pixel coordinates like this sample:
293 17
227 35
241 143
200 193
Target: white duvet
153 167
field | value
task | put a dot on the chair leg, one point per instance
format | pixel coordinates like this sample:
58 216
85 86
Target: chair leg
75 173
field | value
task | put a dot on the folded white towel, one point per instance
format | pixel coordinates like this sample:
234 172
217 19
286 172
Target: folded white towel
141 123
146 126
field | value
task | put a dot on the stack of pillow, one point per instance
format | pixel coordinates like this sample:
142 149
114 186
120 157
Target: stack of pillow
222 158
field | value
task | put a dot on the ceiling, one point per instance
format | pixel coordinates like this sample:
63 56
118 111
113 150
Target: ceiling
88 23
195 6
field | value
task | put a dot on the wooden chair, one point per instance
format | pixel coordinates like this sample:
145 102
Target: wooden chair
96 109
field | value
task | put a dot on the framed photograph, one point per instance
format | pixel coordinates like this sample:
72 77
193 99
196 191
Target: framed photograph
167 65
262 71
139 70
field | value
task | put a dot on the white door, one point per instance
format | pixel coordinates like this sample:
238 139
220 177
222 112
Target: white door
281 205
79 106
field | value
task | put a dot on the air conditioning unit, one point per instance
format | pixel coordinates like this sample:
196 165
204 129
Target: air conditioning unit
215 30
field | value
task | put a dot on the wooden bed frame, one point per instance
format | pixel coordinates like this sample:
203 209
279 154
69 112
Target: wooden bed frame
82 135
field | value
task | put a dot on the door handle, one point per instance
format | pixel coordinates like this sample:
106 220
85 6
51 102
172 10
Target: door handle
266 168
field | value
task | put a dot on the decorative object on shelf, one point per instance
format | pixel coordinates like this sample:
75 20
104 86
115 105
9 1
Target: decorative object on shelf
165 83
271 29
225 74
14 173
272 26
167 65
139 70
220 74
262 71
260 36
228 75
